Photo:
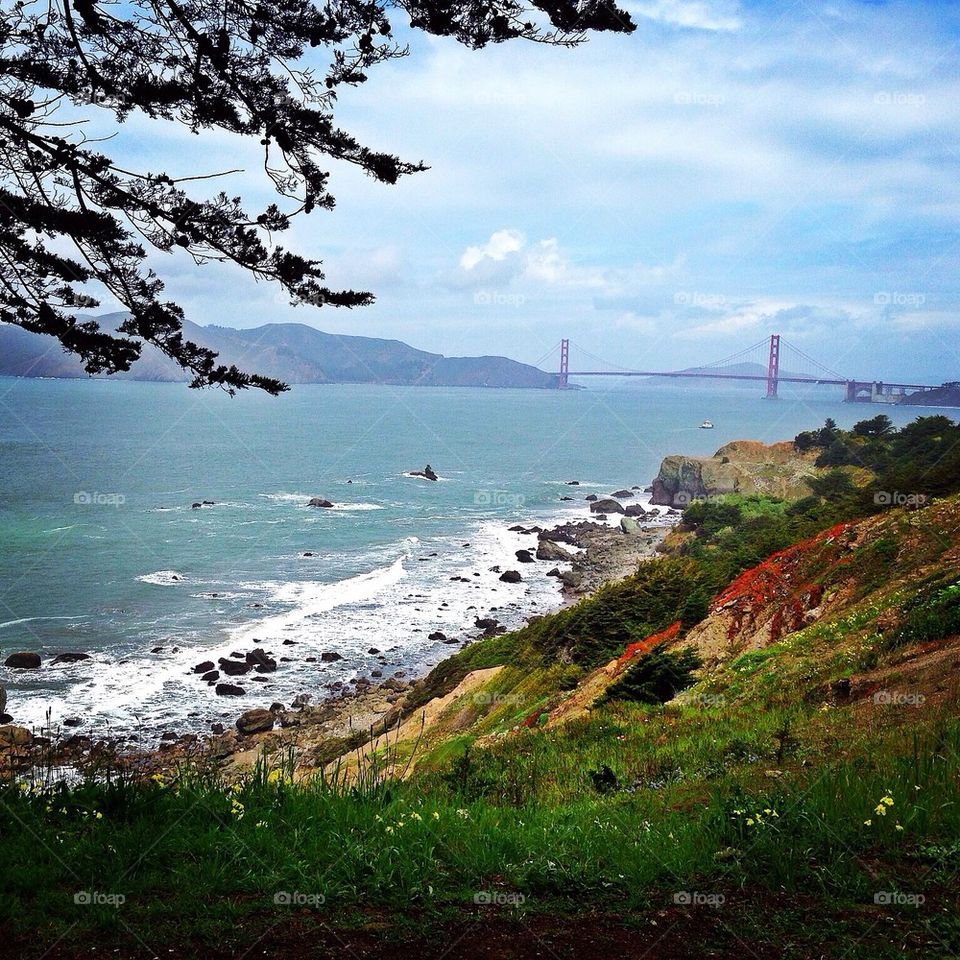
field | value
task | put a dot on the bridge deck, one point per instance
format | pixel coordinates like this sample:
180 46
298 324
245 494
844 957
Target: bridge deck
744 376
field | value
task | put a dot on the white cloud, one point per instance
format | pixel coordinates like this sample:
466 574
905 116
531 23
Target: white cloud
690 13
499 247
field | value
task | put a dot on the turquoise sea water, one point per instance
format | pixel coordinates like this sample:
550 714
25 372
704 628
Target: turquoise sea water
102 552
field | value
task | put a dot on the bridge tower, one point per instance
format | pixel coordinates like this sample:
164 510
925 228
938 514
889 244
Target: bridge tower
564 377
773 367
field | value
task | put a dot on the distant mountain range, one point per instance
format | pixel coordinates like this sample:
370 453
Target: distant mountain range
292 352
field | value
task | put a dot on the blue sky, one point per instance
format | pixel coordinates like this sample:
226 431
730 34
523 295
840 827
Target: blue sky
729 170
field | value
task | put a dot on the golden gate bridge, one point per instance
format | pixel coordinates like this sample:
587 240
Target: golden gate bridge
782 361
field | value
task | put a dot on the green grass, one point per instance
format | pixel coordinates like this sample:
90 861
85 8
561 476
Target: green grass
200 856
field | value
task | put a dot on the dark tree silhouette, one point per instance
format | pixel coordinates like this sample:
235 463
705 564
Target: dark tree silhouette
71 217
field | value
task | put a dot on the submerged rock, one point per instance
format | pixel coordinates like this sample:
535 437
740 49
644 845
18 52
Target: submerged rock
69 657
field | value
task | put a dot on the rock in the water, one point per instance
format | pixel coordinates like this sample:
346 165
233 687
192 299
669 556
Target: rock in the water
205 667
438 635
511 576
69 658
233 668
211 676
606 505
634 510
329 656
427 473
555 572
573 483
23 661
229 690
524 556
621 494
548 550
591 497
263 663
319 502
197 505
12 736
255 721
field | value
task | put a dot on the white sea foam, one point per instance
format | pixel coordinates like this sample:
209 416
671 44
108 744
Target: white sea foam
163 578
14 623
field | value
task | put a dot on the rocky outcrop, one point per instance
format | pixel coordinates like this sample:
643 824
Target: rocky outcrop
744 466
427 473
255 721
319 502
548 550
511 576
22 661
606 505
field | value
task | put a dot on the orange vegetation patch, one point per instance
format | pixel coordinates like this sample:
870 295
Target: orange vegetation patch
645 646
777 585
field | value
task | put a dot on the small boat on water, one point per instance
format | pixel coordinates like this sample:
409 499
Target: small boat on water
706 425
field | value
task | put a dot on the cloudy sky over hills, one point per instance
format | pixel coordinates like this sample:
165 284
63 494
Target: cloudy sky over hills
665 198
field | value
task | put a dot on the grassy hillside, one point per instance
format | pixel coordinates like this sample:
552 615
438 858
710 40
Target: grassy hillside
751 746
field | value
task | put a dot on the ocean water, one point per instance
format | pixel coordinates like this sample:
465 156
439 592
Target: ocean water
101 550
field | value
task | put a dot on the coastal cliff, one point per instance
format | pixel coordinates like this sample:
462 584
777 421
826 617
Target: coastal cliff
743 466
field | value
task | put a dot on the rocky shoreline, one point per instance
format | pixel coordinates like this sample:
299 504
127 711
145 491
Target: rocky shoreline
581 554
